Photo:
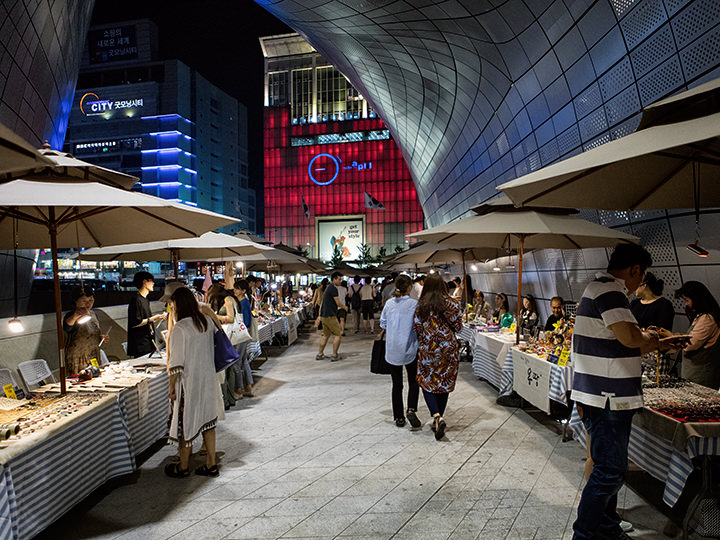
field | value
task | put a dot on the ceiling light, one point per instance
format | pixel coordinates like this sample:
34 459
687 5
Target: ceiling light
697 250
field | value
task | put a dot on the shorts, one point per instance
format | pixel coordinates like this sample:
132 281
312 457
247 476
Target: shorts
330 326
367 308
342 313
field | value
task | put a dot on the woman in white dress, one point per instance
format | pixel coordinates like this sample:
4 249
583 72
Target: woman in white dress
193 385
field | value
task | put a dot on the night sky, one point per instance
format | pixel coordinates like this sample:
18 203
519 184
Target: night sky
220 40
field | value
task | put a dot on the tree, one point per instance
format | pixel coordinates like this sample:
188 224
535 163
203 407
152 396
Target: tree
303 250
382 253
337 257
399 249
365 257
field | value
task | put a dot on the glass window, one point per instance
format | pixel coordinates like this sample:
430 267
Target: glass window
301 94
278 88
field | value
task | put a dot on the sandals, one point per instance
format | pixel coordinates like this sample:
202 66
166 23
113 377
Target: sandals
173 470
440 429
400 422
207 471
413 419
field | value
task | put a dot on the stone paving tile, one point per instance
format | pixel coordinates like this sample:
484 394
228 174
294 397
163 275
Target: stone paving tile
316 455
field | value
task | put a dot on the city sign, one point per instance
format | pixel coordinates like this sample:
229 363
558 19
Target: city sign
92 105
324 168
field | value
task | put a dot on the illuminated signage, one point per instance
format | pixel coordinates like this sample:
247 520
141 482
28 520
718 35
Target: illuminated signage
344 234
112 44
324 168
92 105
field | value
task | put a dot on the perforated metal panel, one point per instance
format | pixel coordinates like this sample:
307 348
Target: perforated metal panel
656 238
702 55
644 18
661 81
621 6
616 78
610 218
671 283
694 20
622 106
653 51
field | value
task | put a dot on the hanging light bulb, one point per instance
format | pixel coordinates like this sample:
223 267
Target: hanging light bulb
496 268
473 267
238 264
15 325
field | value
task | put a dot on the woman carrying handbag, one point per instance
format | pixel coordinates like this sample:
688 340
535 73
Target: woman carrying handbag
401 349
437 319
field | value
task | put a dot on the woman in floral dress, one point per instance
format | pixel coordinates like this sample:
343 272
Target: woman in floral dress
437 319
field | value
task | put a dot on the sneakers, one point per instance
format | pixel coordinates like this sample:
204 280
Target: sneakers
413 419
400 422
319 357
619 535
626 526
335 358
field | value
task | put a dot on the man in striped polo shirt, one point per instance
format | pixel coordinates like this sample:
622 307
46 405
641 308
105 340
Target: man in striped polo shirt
606 348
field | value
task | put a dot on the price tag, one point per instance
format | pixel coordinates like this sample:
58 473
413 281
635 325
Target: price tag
9 391
94 362
564 356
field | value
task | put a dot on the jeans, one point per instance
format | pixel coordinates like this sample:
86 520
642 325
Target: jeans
609 434
396 372
436 403
241 368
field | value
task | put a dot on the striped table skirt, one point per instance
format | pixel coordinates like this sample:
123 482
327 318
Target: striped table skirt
154 424
492 361
265 333
658 457
43 482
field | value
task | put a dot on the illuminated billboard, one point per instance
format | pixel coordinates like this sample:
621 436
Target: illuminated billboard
343 233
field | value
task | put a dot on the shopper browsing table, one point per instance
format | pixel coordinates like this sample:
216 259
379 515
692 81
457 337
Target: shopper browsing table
607 345
83 332
401 349
328 316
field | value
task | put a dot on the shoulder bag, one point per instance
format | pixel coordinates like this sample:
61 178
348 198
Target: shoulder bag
225 353
237 331
378 364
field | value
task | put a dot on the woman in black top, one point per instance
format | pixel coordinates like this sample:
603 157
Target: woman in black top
650 307
529 314
141 328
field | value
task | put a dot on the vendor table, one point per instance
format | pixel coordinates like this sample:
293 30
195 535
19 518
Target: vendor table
539 381
492 359
49 472
664 447
265 333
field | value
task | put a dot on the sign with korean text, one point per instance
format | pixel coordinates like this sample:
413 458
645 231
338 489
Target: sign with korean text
531 379
112 44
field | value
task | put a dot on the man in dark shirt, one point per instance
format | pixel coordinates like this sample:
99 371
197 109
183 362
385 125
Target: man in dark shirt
328 316
141 329
557 305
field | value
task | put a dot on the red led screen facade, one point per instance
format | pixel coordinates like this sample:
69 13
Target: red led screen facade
332 165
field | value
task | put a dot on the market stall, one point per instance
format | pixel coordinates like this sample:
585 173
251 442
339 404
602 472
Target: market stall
538 381
680 422
492 359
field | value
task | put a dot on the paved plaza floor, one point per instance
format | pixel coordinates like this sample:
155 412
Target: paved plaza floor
316 455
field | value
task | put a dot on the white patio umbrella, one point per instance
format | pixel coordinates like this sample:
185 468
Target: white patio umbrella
665 166
80 214
17 155
529 229
209 246
278 261
60 167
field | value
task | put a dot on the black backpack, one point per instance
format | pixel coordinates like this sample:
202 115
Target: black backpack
355 298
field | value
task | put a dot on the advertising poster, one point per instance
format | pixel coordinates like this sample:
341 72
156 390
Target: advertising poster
346 234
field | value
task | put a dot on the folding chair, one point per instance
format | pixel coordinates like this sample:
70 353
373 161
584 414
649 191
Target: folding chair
34 372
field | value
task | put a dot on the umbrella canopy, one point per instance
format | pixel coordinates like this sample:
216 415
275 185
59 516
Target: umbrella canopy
17 155
530 229
655 168
77 214
210 245
104 215
501 228
433 253
700 101
277 261
60 167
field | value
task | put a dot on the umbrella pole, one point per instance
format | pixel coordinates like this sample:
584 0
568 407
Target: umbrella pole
58 306
463 296
175 257
519 297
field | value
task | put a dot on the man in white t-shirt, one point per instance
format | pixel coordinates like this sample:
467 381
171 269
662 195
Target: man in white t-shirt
367 306
417 288
342 312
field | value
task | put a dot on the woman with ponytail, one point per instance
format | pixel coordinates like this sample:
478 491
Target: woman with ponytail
401 349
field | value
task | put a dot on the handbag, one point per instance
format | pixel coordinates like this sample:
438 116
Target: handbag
237 331
378 364
225 353
253 330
